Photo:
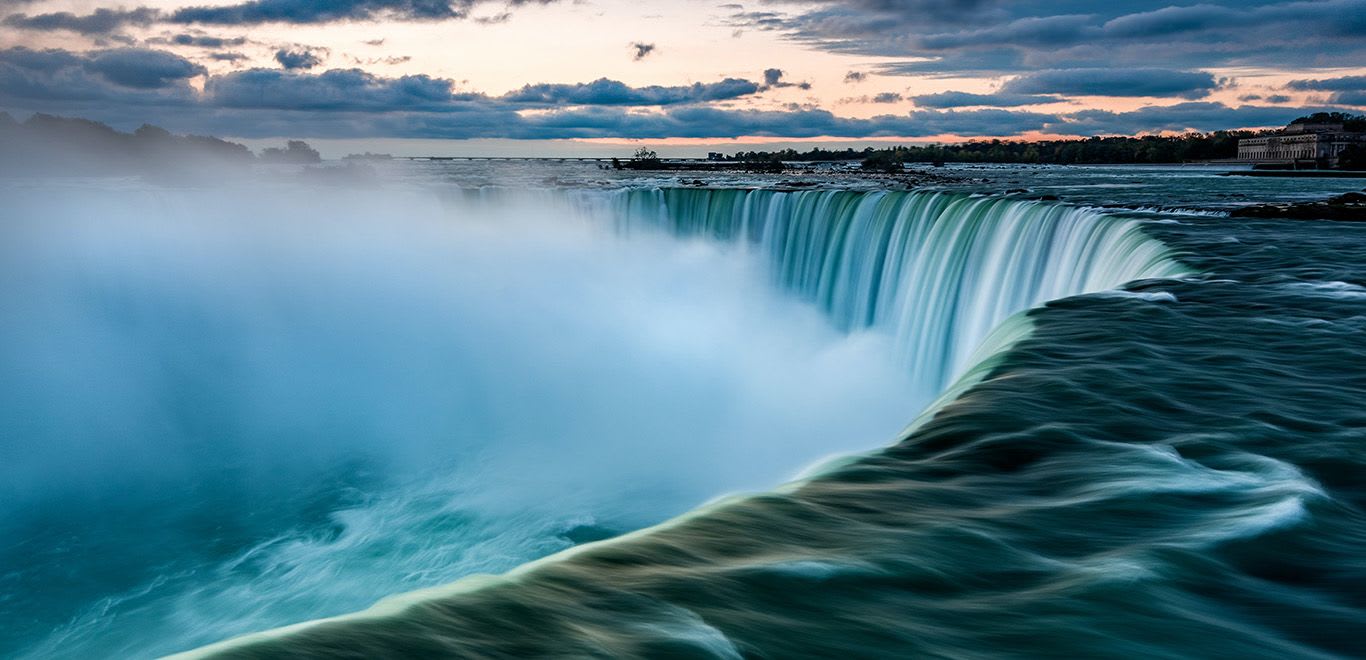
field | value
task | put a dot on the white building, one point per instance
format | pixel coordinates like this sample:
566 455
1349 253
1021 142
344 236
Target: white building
1317 143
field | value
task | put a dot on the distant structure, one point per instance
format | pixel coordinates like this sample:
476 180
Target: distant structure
1300 145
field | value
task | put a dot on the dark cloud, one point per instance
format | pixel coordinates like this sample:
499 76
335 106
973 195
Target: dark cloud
132 86
1200 116
1354 98
113 79
773 79
99 22
858 16
301 58
142 69
997 100
197 40
1271 98
46 61
1343 84
1114 82
354 90
354 103
642 50
1032 31
350 90
255 12
611 92
205 41
328 11
996 36
1347 90
855 77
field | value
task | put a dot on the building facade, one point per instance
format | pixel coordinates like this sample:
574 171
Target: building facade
1317 143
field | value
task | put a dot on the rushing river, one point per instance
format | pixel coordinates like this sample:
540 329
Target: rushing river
1021 427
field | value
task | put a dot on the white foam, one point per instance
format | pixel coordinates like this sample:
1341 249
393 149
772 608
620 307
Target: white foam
1331 289
1149 296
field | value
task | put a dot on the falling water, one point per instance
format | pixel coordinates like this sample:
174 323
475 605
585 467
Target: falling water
939 272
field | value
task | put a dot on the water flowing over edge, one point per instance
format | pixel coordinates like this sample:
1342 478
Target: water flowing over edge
948 275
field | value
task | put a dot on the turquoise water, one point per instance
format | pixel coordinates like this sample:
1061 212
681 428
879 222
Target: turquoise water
235 415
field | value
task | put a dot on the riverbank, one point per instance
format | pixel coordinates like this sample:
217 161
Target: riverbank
1302 174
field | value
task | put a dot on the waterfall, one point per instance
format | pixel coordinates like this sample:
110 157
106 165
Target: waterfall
937 270
946 275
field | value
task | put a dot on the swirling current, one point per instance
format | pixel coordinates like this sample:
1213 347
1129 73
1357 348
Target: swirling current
1148 440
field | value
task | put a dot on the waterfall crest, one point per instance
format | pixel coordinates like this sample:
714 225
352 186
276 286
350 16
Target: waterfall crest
937 270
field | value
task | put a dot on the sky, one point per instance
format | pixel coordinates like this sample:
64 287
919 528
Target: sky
594 76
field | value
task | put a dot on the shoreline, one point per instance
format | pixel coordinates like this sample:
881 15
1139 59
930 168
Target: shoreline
1306 174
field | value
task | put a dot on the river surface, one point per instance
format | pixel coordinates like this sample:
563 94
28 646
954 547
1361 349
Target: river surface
545 409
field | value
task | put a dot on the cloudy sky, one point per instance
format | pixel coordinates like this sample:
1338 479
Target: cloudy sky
682 72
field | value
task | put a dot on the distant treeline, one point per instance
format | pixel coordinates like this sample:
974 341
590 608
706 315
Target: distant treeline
1350 122
48 145
1095 150
1152 149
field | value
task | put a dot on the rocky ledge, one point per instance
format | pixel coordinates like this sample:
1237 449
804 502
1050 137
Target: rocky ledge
1349 207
